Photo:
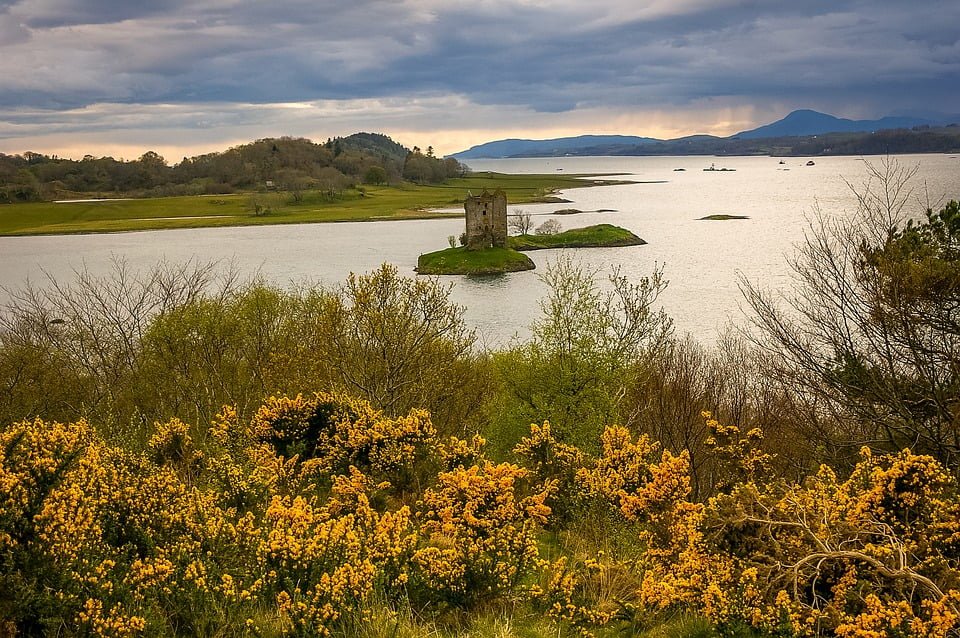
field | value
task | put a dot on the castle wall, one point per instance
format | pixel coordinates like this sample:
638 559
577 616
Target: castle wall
486 219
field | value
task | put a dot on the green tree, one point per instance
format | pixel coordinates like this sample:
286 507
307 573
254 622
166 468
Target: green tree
375 175
214 351
590 340
417 167
25 187
401 343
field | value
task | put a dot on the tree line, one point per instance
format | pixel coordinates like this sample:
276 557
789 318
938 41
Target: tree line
285 163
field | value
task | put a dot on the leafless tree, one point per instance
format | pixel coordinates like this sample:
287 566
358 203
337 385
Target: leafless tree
868 337
549 227
71 348
520 222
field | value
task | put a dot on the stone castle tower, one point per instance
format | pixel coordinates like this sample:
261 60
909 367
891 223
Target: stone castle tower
486 219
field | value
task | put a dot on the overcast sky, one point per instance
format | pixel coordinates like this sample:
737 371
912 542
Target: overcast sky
182 77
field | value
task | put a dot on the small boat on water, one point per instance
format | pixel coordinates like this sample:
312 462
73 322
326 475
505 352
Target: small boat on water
811 163
782 162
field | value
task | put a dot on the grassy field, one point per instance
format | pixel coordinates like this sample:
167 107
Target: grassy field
600 235
460 261
371 203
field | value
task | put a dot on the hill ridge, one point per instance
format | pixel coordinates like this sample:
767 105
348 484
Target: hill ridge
799 123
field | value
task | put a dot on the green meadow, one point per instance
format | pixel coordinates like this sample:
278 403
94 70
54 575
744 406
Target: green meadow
367 203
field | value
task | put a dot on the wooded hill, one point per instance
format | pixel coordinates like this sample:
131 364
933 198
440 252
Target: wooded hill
284 163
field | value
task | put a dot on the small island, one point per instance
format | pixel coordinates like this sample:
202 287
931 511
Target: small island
462 261
577 211
721 217
488 250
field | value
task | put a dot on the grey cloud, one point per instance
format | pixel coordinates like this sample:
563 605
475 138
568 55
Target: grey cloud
45 14
11 31
549 57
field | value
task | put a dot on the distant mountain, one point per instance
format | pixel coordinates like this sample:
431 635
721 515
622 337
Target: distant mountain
807 122
802 132
549 148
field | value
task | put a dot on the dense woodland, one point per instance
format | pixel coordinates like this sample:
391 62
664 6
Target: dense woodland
188 451
288 164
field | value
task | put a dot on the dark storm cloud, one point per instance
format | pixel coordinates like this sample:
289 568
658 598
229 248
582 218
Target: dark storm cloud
547 56
42 14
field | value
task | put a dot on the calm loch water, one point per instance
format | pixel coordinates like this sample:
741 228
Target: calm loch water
702 259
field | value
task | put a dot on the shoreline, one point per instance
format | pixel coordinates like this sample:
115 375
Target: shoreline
372 204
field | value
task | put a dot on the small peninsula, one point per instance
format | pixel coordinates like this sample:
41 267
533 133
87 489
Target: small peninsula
596 236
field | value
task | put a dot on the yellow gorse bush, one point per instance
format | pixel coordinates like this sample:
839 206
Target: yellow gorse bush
479 533
338 432
100 530
172 443
304 518
554 465
286 523
872 555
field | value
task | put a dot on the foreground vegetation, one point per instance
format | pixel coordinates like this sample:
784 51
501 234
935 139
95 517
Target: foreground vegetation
184 452
321 515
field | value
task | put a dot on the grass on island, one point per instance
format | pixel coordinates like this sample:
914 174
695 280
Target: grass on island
599 235
460 261
722 217
367 203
